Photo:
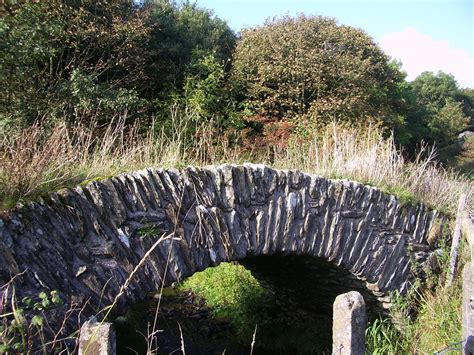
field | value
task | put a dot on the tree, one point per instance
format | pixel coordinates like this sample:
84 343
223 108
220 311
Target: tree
69 59
434 90
312 69
203 86
178 32
438 109
466 96
59 58
446 123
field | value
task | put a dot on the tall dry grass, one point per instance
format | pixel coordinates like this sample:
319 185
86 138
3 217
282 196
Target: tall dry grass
36 160
364 154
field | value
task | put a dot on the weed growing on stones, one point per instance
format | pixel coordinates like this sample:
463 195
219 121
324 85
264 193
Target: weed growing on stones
24 325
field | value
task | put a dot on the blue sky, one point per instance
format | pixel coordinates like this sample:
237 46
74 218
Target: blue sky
423 34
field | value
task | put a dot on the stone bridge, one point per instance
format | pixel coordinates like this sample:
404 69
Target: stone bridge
86 241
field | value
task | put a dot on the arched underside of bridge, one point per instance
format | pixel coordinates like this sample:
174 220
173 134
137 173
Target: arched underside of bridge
85 242
308 285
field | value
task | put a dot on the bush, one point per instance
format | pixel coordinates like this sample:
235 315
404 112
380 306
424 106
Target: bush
313 67
232 293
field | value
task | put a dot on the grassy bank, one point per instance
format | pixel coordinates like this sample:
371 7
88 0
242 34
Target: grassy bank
425 320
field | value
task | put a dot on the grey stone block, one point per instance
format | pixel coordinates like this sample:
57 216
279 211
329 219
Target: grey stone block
97 339
349 323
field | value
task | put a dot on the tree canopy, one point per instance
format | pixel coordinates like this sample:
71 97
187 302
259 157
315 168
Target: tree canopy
311 66
65 60
69 60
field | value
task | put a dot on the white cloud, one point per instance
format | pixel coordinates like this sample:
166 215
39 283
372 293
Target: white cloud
419 52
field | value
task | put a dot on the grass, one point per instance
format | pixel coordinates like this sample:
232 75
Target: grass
364 154
232 293
422 322
36 160
436 325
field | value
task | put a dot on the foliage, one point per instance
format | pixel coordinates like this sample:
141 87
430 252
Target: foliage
94 61
69 61
149 231
435 90
436 326
446 123
463 158
24 324
383 338
203 86
435 110
422 322
178 33
66 60
313 70
234 294
466 96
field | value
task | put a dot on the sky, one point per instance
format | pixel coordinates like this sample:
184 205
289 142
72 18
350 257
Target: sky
425 35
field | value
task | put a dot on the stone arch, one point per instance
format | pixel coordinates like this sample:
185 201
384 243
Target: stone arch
86 241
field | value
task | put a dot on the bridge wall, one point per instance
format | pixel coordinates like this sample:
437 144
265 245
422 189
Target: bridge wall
85 242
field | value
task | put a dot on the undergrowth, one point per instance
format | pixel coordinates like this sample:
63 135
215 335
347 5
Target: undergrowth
25 324
423 321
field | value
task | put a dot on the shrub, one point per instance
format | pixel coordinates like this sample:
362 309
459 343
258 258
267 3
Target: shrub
312 67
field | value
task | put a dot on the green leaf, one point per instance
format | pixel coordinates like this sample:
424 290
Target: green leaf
46 303
37 321
55 298
17 346
27 301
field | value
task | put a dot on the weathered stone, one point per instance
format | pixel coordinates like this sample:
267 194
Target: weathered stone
349 323
97 339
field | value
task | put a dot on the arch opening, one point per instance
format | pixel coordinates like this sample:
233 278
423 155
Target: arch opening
293 312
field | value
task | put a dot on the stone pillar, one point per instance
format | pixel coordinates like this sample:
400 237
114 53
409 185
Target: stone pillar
349 323
97 339
468 308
